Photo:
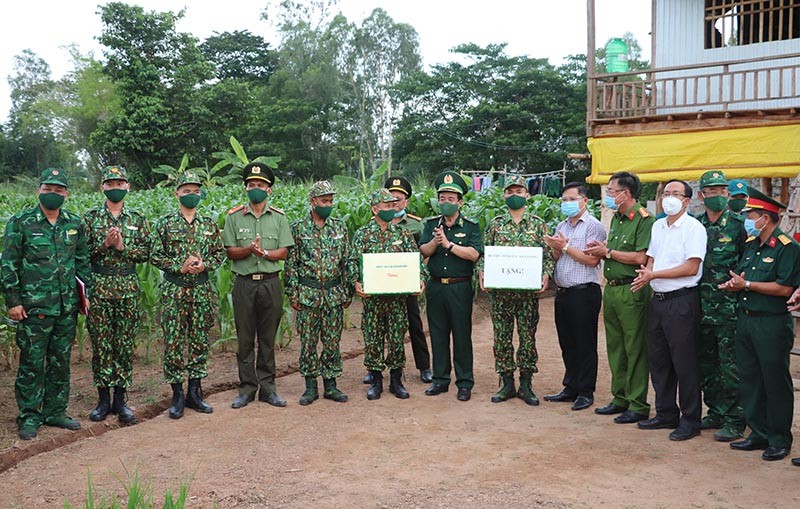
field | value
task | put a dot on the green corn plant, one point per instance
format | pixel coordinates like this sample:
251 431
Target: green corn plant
150 298
223 281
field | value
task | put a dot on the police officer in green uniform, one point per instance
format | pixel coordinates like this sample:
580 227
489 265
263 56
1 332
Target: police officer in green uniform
765 278
257 237
44 250
738 195
118 238
625 312
453 245
716 355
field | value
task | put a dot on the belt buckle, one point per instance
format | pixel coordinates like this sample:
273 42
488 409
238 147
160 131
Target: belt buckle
257 277
659 295
445 280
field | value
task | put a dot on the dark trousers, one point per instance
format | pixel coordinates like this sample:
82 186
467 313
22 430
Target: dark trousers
673 330
422 357
257 310
576 312
449 310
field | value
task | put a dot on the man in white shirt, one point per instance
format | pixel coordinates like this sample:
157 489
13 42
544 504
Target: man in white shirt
674 267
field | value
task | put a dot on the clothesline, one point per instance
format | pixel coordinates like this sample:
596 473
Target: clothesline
548 183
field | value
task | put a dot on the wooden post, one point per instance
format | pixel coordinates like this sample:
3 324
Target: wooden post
591 68
784 191
766 186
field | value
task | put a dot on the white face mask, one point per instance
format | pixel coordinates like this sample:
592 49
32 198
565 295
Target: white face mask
672 205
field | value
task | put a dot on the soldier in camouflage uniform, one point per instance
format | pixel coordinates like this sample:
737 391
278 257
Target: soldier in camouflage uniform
118 238
44 250
719 377
187 247
319 289
516 228
385 319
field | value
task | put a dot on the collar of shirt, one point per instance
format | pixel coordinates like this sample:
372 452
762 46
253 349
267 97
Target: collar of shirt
629 215
458 222
678 222
121 212
249 210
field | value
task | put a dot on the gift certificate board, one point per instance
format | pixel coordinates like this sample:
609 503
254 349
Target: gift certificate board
512 268
390 273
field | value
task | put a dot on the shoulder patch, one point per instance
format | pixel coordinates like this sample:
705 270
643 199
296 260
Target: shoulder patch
644 212
469 220
235 209
275 209
411 216
751 238
434 218
784 239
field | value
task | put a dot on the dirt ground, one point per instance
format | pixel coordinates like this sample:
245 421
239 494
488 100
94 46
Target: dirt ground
430 452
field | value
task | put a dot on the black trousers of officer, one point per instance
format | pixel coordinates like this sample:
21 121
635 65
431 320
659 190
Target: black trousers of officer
672 335
576 312
422 357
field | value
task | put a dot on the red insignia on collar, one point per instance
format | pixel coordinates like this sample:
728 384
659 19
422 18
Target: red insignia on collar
631 215
772 241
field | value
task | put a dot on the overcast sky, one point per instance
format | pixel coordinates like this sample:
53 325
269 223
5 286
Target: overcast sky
538 28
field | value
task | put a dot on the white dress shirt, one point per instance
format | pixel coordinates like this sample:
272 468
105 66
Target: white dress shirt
672 245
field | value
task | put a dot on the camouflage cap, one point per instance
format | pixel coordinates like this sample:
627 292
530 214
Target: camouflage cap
398 184
259 171
512 181
114 173
189 177
321 188
712 178
450 181
738 186
53 176
381 196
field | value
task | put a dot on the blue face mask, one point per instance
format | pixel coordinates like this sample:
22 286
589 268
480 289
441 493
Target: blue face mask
609 202
570 208
750 227
400 213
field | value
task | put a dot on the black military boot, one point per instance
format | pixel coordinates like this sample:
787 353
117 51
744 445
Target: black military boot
396 384
507 391
376 387
178 402
332 392
120 407
525 392
194 398
312 393
103 407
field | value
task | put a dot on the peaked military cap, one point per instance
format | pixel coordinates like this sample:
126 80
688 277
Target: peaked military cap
712 178
759 201
381 196
189 177
55 176
398 184
321 188
450 181
737 186
114 173
259 171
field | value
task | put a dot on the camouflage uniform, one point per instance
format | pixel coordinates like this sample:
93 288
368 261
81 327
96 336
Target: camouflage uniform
115 314
39 265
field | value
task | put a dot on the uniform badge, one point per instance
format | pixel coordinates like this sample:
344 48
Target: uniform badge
772 241
448 179
768 260
55 172
725 238
460 235
132 227
72 232
208 233
396 182
114 170
631 215
397 242
255 170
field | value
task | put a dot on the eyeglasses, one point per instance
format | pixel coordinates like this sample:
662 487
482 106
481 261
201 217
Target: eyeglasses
676 195
613 192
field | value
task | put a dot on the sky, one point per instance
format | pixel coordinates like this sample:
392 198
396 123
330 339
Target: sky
537 28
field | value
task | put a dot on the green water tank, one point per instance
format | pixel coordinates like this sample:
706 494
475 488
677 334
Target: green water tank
616 55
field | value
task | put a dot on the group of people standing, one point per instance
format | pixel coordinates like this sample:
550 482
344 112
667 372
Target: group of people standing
698 305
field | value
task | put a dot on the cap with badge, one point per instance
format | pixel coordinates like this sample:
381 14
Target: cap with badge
321 188
450 181
114 173
259 171
737 186
189 177
512 181
381 196
712 178
760 201
398 184
53 176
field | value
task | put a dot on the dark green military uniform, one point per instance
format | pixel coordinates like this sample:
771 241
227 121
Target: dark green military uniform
449 293
625 312
765 334
716 356
39 265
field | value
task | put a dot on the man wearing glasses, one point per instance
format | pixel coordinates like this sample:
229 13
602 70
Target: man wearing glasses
625 312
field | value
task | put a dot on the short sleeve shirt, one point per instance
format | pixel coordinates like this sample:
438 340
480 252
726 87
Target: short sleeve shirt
672 245
241 229
628 232
776 260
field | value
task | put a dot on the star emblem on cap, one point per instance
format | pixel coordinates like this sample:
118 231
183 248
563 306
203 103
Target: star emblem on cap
739 185
255 169
448 179
396 182
715 175
114 170
55 172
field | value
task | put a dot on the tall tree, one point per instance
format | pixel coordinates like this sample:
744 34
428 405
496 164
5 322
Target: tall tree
240 55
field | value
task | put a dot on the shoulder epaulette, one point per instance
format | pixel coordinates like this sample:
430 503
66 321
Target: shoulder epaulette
275 209
411 216
644 212
235 209
751 238
469 220
434 218
784 239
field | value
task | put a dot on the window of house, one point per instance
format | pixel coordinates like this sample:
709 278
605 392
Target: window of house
740 22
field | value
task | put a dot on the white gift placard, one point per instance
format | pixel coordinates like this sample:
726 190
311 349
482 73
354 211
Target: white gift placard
512 268
390 273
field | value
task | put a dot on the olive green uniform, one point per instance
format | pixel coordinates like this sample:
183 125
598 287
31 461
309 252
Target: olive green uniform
419 346
625 312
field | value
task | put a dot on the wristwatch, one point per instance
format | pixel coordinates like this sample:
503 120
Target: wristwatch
608 254
451 246
266 254
747 285
565 248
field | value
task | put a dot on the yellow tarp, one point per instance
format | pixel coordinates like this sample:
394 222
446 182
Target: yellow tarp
771 151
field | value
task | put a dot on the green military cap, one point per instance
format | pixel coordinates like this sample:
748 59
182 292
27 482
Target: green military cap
759 201
515 181
712 178
53 176
114 173
259 171
737 186
381 196
450 181
189 177
321 188
398 184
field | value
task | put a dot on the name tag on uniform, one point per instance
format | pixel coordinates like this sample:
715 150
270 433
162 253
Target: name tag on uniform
460 234
131 227
767 260
245 230
397 242
208 233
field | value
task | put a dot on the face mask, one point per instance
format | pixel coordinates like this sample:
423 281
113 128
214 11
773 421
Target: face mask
386 215
715 203
323 212
257 195
190 201
737 204
570 208
400 213
51 201
750 227
671 205
115 195
610 202
448 209
515 202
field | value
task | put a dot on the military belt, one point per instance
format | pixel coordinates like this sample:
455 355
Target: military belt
762 313
114 271
620 282
674 293
451 280
315 283
185 282
260 276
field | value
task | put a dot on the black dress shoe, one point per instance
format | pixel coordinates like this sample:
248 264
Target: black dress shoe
775 453
682 433
464 394
609 409
629 417
748 444
583 402
796 462
273 399
658 422
242 400
426 376
436 389
561 396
